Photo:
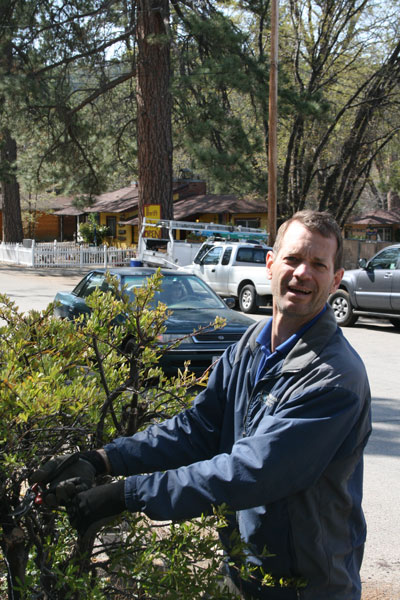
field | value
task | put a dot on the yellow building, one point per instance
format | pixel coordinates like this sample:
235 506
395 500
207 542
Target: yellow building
118 210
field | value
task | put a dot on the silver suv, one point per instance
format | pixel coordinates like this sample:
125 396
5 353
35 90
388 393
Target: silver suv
372 290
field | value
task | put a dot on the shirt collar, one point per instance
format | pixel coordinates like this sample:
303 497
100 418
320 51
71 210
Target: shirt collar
264 337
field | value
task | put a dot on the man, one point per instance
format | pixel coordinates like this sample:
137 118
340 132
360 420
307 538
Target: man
278 435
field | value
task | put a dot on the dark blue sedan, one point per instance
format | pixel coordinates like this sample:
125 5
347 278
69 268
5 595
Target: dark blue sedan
193 305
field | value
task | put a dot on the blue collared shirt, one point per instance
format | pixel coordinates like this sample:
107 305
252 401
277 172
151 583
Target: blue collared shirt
269 358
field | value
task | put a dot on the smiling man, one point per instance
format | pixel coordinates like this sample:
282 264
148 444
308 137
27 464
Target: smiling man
278 435
304 269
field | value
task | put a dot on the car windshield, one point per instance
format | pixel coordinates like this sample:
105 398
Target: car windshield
179 291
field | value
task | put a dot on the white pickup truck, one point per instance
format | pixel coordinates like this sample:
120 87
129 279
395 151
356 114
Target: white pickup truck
235 269
166 244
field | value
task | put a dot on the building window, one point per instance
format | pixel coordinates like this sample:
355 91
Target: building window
379 234
386 234
111 223
248 222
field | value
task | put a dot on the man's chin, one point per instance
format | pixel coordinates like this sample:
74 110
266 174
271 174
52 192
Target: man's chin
300 309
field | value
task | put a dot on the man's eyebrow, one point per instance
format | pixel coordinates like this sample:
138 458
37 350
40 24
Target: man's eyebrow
320 259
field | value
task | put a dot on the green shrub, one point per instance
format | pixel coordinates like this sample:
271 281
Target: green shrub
65 387
92 232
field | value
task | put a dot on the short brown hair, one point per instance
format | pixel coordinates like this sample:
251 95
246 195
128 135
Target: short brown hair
320 221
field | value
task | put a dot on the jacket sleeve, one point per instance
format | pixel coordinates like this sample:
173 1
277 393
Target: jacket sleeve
191 436
288 452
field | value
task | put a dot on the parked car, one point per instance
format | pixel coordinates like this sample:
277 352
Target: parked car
372 290
193 304
235 269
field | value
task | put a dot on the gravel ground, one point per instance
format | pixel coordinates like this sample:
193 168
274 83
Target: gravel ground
372 591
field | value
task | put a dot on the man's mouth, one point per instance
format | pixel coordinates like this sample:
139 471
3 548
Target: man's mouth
298 290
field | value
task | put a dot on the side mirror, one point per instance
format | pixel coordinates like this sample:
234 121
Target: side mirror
230 302
362 263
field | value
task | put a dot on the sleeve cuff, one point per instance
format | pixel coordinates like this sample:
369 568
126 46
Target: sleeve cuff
133 503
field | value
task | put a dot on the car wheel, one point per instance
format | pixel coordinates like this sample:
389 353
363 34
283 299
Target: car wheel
395 322
340 302
247 299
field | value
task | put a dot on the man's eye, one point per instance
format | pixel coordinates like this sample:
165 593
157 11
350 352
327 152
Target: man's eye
291 259
320 265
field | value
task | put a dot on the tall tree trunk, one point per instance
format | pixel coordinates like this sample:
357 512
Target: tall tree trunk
154 129
12 222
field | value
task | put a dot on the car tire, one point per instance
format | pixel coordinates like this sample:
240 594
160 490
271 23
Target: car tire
341 305
247 299
395 322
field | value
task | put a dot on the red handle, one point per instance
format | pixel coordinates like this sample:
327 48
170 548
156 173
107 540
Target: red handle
39 495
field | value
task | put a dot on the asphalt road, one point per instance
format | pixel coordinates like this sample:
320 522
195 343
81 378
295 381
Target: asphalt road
378 343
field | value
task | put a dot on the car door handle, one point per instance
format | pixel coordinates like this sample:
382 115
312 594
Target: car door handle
388 275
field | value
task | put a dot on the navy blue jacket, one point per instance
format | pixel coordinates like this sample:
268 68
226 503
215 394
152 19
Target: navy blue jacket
285 454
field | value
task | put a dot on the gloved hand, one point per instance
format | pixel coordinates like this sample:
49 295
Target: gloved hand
81 468
91 509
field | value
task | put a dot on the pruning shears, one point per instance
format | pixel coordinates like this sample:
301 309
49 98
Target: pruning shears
34 494
33 497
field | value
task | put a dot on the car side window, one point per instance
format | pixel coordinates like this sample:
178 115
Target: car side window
259 256
244 255
387 259
227 256
251 255
212 258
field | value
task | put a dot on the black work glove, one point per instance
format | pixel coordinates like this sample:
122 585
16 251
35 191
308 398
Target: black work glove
81 468
91 509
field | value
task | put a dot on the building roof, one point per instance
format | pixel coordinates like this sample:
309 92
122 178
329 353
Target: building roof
63 205
60 205
378 217
214 203
211 204
121 200
127 198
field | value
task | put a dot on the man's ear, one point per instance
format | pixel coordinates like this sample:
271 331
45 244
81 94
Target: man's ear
269 262
337 278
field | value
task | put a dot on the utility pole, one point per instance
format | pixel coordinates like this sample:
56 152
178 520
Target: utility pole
273 123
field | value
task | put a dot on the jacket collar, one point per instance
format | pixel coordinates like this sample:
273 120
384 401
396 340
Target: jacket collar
311 344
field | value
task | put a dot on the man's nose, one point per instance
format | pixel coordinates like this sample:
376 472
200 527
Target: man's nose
302 270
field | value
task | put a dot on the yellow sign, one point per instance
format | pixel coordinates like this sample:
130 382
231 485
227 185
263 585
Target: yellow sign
152 211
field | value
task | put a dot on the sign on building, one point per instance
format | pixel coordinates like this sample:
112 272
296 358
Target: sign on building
152 211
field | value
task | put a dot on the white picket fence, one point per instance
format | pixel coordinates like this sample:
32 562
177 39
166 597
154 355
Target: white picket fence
64 254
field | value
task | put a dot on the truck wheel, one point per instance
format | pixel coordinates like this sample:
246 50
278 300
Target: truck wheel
341 304
247 299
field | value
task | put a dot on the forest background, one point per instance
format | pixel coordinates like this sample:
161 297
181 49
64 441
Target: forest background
95 94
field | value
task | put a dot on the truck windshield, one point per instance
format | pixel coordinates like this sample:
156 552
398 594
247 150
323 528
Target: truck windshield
202 252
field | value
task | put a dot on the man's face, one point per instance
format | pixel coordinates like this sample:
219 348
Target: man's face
302 273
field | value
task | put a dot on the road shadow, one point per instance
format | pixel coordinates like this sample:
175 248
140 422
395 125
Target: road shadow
374 325
46 272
